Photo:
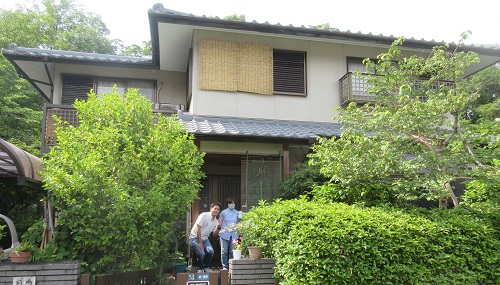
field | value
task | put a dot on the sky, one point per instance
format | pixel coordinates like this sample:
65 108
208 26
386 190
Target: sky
439 20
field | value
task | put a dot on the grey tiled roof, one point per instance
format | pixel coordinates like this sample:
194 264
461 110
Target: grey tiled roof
311 31
259 128
72 56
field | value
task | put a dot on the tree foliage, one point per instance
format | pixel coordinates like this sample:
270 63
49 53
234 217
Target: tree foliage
21 109
301 182
143 50
62 24
48 24
411 141
120 182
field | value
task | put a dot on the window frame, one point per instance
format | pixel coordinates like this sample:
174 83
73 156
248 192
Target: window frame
95 84
127 82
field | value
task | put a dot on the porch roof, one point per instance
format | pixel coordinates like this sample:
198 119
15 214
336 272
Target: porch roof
257 128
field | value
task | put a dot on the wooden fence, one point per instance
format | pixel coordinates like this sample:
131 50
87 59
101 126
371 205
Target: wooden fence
142 277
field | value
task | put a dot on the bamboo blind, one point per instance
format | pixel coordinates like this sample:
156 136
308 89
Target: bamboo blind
255 70
218 65
236 67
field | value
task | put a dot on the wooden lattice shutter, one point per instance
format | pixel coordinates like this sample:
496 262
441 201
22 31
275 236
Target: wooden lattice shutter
76 87
289 72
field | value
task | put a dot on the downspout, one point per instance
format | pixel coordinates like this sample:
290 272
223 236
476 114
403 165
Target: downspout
157 95
281 166
246 182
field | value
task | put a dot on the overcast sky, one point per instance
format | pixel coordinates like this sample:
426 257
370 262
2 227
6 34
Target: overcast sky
440 20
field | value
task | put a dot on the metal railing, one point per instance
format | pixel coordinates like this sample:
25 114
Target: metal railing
353 88
67 114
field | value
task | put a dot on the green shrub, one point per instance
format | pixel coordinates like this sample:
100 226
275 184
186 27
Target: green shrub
120 179
2 234
317 243
302 181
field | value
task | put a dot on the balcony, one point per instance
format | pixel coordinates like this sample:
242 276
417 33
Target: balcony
68 114
353 88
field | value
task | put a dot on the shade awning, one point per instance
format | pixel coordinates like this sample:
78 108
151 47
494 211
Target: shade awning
17 163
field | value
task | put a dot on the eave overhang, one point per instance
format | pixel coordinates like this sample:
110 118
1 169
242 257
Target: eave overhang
38 65
172 33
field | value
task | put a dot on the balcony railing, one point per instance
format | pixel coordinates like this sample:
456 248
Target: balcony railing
353 88
68 114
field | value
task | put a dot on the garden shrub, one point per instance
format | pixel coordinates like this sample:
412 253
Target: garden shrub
1 231
302 181
120 179
318 243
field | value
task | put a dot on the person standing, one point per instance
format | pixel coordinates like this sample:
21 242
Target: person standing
205 224
228 233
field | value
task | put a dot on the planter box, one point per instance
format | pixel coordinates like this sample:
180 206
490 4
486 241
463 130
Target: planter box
46 273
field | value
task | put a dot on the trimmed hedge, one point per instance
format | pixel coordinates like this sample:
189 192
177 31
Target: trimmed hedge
316 243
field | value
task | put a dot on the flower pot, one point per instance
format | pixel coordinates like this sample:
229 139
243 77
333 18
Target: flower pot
19 256
236 254
255 252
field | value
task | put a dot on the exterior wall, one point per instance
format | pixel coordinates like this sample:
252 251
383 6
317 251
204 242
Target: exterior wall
326 64
173 90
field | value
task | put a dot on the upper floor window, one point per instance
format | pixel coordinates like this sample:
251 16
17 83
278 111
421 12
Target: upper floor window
289 72
146 87
230 66
78 87
355 64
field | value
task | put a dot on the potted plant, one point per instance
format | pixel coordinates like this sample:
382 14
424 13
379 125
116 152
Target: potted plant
255 251
179 262
23 252
237 247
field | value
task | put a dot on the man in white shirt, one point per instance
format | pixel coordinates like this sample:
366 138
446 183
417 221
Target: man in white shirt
206 223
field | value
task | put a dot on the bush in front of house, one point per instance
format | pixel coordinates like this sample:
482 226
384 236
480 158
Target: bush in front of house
318 243
120 179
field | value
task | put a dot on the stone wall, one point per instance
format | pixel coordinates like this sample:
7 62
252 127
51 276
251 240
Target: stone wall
248 271
46 273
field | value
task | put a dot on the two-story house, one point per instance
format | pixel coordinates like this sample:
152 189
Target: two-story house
255 95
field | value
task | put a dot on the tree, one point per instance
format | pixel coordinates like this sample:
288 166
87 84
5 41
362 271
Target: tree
301 182
235 17
63 25
411 142
55 25
120 182
135 50
21 109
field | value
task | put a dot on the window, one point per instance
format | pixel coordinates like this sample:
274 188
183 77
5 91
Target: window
259 69
78 87
146 87
355 64
289 72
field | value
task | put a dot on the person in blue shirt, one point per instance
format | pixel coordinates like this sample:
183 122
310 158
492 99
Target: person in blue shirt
228 233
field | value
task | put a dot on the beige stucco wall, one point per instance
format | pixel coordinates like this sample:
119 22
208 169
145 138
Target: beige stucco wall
174 83
240 148
326 64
